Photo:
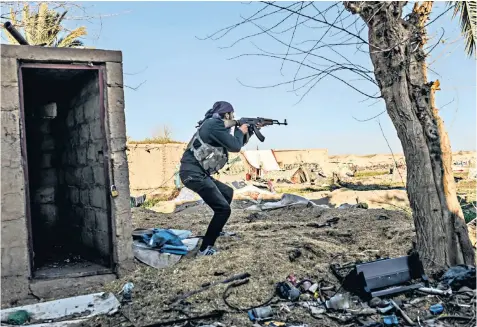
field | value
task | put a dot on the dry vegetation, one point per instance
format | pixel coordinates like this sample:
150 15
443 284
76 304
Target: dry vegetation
162 136
262 248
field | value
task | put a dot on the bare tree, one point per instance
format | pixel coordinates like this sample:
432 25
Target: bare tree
394 37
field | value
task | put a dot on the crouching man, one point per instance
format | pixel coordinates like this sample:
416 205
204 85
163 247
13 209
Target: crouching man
205 155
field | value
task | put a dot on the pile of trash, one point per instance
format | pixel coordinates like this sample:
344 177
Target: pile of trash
160 248
404 301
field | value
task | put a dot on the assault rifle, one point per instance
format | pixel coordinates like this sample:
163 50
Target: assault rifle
253 122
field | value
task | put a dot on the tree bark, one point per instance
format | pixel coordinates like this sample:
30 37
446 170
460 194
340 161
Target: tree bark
397 54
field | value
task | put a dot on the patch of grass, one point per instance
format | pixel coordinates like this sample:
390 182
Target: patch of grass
156 198
154 140
370 173
162 136
306 190
151 202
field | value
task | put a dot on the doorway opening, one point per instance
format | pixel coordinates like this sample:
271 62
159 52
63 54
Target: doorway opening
67 174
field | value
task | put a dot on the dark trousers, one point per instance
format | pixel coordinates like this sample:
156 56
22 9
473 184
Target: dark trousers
218 197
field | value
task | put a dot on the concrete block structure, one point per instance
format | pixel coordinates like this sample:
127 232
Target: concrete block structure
63 152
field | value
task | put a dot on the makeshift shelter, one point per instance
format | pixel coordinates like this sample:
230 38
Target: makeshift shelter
66 216
261 162
295 176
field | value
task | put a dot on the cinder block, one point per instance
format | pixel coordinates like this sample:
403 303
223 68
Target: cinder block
10 124
48 143
11 153
46 160
13 205
49 177
70 178
72 157
45 195
14 233
99 175
13 179
87 237
96 132
89 220
82 155
70 119
117 124
49 110
74 194
14 288
10 98
124 250
75 136
122 224
118 145
79 113
92 108
9 71
44 126
50 213
115 96
15 261
97 197
102 221
84 134
88 177
84 197
102 243
114 74
78 215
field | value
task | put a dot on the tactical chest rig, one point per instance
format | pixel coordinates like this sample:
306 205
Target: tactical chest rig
211 158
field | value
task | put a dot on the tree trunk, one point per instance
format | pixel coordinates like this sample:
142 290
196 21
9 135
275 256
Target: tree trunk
396 50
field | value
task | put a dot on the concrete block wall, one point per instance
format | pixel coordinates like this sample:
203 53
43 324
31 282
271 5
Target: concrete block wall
119 169
15 264
83 162
43 178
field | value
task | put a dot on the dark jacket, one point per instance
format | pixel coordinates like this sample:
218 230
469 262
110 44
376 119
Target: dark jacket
213 132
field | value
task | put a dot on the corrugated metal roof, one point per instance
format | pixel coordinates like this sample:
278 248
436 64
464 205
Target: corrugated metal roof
262 159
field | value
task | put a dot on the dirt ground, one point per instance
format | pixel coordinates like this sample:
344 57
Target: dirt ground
261 248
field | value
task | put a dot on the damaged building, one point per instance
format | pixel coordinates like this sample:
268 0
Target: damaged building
66 218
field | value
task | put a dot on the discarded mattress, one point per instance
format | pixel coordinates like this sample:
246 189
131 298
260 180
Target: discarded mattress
160 248
287 200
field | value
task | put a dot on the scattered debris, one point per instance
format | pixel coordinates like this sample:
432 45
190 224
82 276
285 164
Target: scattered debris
286 290
459 276
160 248
206 286
294 254
19 317
436 309
383 277
338 302
391 320
69 310
329 222
260 314
287 200
403 314
127 292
